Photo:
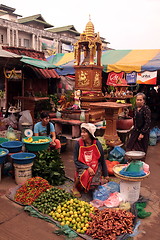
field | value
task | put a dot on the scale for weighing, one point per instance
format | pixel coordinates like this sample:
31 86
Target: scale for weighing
135 155
130 186
28 132
135 164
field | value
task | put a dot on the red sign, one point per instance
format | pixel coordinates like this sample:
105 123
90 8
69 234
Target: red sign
116 79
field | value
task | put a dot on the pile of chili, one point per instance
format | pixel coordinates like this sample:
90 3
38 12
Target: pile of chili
31 189
107 224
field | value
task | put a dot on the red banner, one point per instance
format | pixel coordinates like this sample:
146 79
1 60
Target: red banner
116 79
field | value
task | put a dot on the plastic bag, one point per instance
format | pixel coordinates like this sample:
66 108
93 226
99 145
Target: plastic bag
25 118
157 131
152 137
114 200
117 154
10 134
112 187
102 193
97 203
10 121
145 167
110 165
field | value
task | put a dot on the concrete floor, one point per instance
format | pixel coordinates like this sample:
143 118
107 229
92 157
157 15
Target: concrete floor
16 224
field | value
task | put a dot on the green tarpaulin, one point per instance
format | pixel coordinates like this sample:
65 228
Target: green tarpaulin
37 63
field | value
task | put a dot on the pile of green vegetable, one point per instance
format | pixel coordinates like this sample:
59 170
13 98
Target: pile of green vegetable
48 165
103 142
50 199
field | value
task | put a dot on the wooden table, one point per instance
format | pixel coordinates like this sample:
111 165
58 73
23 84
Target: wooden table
59 122
111 116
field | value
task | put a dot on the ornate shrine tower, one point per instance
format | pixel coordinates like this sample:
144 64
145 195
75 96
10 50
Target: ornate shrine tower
88 70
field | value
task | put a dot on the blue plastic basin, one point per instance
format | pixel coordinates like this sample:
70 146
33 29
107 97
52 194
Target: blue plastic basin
3 156
23 158
12 146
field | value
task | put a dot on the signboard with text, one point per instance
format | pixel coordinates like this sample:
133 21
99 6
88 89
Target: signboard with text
147 78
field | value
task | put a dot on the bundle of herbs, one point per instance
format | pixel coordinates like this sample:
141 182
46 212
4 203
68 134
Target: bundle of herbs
48 165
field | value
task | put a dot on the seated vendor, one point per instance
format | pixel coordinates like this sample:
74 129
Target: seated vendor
46 128
89 161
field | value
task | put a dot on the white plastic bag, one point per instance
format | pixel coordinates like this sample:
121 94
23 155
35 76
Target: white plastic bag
10 134
25 118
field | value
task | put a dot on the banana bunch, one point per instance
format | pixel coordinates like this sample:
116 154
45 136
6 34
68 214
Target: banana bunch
28 140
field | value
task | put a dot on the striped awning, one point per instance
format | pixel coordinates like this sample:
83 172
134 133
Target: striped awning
115 60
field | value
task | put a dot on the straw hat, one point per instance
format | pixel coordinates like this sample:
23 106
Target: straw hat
90 127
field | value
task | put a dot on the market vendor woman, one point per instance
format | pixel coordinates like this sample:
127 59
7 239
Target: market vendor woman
139 138
46 128
89 161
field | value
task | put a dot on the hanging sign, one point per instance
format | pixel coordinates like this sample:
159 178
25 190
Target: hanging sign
131 77
48 45
147 78
116 79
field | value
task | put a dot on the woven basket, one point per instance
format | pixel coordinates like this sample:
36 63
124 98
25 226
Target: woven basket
127 178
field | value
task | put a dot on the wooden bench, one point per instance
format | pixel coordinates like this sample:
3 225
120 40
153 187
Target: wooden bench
59 122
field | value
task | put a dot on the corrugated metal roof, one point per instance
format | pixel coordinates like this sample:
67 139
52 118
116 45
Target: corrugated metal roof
45 73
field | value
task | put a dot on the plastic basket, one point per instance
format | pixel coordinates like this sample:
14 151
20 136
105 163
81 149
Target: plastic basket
12 146
3 156
2 139
36 147
23 158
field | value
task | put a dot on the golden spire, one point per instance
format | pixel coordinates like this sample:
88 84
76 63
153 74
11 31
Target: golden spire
89 30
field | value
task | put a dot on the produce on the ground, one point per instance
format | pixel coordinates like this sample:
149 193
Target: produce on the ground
30 190
49 166
107 224
74 213
50 199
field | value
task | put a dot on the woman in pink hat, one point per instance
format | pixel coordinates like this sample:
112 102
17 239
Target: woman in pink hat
89 161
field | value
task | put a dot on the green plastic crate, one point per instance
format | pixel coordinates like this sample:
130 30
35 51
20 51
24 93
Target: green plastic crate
36 147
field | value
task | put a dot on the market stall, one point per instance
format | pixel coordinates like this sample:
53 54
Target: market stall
47 195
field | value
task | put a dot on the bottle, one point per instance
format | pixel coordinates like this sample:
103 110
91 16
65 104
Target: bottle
82 116
58 114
